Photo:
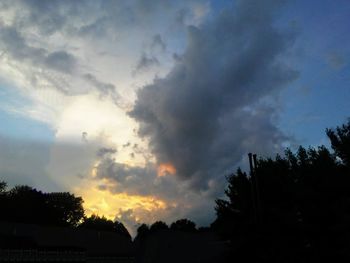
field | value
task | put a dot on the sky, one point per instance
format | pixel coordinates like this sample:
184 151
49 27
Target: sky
143 107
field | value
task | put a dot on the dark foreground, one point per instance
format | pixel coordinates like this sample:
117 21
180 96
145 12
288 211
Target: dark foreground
33 243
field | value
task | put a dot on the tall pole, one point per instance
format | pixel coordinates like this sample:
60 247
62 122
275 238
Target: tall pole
257 190
254 197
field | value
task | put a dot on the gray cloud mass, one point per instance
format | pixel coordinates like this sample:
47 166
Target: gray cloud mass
208 111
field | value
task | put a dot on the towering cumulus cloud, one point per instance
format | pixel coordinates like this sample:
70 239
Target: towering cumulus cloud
215 104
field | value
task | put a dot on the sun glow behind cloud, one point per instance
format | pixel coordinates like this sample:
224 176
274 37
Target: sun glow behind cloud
165 169
131 209
103 202
103 124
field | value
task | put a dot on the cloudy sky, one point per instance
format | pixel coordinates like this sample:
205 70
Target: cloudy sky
143 107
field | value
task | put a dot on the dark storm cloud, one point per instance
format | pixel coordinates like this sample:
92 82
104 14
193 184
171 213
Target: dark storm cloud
208 111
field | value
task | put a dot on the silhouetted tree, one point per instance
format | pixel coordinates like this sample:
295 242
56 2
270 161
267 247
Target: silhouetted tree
103 224
340 140
97 223
204 229
159 225
3 200
237 209
303 208
28 205
65 208
121 229
142 231
3 186
183 225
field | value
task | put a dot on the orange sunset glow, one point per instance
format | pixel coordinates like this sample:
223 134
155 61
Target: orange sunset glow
111 205
165 168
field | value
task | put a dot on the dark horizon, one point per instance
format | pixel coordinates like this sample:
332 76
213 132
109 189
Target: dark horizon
288 208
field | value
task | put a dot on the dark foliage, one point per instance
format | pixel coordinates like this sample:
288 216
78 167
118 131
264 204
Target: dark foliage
28 205
340 140
64 208
302 212
96 222
142 230
158 226
3 186
121 229
183 225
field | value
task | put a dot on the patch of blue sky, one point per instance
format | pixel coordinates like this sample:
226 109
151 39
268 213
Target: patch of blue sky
319 99
16 125
217 6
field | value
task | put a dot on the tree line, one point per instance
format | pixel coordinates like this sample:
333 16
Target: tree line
302 213
301 210
25 204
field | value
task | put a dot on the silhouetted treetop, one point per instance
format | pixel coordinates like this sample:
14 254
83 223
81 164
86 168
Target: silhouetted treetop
26 204
65 208
142 231
158 225
121 229
340 141
97 223
103 224
183 225
3 186
298 205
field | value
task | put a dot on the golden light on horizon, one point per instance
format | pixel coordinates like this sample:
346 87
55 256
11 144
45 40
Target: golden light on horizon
165 168
105 203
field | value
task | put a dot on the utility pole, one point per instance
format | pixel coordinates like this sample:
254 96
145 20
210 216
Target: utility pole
255 188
